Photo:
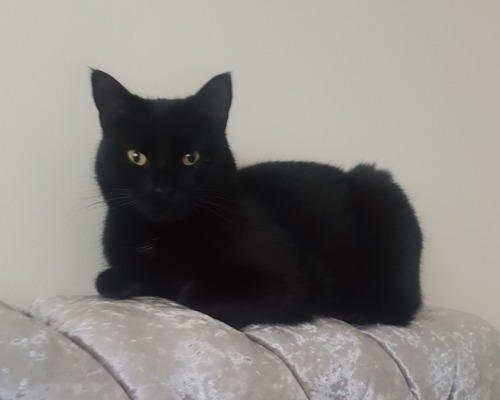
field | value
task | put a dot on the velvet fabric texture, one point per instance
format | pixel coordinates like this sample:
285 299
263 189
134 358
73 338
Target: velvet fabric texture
149 349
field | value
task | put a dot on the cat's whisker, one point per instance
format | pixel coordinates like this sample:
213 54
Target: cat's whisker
94 204
222 211
220 196
120 199
214 209
121 204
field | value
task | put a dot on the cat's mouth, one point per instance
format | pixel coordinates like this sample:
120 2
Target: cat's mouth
160 212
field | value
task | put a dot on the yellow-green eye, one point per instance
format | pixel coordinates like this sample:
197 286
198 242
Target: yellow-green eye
191 158
137 157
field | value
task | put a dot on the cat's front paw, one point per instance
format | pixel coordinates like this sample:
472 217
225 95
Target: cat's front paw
117 284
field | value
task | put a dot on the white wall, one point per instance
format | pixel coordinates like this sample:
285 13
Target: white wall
413 86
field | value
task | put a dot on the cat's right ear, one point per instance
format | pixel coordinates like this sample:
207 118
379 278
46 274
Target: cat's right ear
112 100
213 100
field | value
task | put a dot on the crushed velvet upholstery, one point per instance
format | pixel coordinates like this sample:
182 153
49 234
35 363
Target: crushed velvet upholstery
148 349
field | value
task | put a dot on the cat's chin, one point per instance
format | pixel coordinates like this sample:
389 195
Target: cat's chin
160 216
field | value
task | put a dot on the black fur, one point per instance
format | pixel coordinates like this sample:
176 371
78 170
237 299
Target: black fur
278 242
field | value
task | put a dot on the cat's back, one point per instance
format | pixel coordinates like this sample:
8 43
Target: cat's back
287 177
320 199
304 193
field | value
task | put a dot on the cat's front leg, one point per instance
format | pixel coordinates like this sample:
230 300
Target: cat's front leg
117 283
131 253
243 299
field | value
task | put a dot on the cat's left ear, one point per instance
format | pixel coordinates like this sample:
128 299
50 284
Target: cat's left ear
213 100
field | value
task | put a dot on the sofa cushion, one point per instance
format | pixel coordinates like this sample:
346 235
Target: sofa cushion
37 362
151 348
158 349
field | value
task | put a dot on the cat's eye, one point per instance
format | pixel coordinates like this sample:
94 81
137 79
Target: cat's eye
191 158
137 157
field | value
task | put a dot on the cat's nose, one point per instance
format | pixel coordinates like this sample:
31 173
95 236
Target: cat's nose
164 192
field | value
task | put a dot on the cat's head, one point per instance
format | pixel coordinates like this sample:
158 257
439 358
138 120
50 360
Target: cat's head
165 160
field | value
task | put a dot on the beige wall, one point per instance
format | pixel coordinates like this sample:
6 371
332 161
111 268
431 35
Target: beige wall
412 86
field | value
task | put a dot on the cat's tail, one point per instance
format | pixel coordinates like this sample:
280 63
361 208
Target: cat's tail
390 244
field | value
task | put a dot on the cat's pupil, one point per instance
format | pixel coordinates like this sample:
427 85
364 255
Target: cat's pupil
137 157
189 159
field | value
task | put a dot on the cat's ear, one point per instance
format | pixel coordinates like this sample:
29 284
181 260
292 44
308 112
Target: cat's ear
213 100
111 99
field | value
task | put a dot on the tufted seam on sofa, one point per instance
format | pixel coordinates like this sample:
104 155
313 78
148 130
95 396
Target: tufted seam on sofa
283 359
453 389
81 345
411 385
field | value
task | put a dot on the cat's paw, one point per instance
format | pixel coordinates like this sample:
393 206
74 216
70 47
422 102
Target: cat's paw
117 284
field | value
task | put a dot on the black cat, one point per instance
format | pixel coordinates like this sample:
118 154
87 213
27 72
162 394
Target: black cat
278 242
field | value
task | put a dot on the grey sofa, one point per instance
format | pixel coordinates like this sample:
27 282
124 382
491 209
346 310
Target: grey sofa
148 349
